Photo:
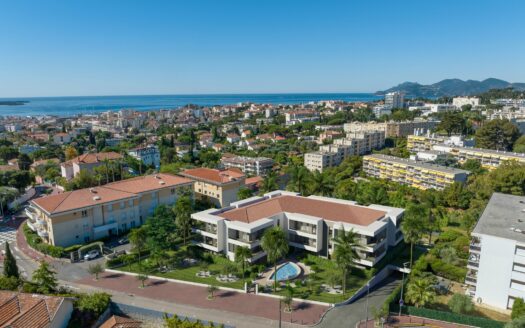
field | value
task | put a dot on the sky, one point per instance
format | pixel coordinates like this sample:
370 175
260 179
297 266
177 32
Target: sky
126 47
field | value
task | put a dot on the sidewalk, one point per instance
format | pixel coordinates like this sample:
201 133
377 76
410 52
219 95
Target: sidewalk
22 245
229 301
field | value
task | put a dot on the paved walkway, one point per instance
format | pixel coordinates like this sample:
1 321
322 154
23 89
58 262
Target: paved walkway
178 293
411 321
349 315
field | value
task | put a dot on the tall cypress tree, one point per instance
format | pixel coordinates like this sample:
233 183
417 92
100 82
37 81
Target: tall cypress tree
10 267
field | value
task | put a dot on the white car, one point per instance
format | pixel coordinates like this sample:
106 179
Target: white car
93 254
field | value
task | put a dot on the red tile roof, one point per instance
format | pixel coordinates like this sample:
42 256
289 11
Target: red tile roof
121 322
213 175
91 158
20 310
330 211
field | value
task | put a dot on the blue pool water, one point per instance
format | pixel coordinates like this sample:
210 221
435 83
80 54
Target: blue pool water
287 271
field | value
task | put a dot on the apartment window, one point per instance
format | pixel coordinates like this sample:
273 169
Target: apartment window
518 285
84 213
130 203
518 267
520 251
172 191
110 208
122 205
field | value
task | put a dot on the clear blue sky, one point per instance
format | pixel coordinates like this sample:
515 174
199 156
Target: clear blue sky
117 47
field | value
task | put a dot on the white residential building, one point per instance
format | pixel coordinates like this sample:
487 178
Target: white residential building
496 265
395 100
148 155
310 223
301 116
462 101
249 165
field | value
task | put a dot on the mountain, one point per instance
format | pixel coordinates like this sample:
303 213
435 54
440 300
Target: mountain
452 87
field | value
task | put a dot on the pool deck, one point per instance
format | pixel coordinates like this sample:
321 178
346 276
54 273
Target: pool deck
265 278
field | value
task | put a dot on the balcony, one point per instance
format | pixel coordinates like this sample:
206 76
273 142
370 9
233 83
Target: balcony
42 233
105 227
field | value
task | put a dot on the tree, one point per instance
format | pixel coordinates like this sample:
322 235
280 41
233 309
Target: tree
211 289
457 196
461 304
453 122
70 153
24 161
288 298
9 283
137 237
142 278
275 244
95 303
344 252
96 269
519 145
182 211
497 134
269 182
44 278
518 308
299 179
420 291
412 226
161 229
244 193
371 192
516 323
242 255
10 267
322 184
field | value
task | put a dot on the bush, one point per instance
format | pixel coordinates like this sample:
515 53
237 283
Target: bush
36 242
518 308
447 270
461 304
449 235
72 248
9 283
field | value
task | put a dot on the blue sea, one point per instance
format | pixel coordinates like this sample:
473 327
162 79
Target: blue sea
71 106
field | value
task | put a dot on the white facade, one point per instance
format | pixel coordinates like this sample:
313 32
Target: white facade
149 155
462 101
394 100
496 265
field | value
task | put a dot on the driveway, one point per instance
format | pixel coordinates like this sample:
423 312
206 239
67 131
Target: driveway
349 315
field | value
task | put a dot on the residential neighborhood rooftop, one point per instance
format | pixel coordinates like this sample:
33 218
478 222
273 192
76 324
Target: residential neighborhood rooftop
27 310
424 165
213 175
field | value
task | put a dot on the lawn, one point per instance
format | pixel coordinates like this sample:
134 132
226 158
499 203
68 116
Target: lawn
325 273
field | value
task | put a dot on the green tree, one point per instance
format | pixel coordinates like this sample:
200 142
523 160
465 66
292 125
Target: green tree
211 290
344 252
516 323
269 182
44 278
288 298
95 303
24 162
242 255
519 145
345 189
371 192
452 122
142 278
413 226
497 134
161 229
457 196
299 179
420 291
274 242
473 166
518 308
138 237
9 283
460 303
322 184
244 193
10 267
183 209
96 269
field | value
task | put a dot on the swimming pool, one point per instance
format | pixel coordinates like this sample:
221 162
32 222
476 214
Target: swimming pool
287 271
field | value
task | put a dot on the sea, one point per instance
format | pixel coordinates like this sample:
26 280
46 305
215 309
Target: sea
72 106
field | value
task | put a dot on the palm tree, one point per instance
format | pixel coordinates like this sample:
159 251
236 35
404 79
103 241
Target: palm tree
182 210
420 291
242 254
137 237
275 244
413 226
344 252
270 182
322 184
299 179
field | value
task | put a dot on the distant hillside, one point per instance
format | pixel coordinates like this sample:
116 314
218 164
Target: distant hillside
452 87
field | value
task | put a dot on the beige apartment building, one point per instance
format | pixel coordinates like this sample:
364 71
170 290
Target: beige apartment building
392 128
220 187
413 173
88 162
84 215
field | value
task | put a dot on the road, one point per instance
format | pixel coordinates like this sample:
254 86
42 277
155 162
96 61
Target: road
349 315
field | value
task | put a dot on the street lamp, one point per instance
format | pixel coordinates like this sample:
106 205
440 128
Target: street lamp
367 294
401 302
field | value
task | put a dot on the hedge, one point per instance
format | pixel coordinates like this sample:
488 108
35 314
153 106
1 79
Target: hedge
36 242
448 316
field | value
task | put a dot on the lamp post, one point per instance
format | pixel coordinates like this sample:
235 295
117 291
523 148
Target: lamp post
367 294
401 302
280 312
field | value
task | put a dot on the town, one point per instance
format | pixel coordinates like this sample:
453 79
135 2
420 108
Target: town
303 207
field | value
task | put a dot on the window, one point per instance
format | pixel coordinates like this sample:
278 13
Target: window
172 191
518 285
84 213
520 251
110 208
122 205
518 267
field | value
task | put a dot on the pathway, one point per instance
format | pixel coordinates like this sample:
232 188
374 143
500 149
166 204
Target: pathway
195 296
349 315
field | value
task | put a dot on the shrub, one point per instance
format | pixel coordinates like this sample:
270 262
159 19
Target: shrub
9 283
95 303
36 242
518 308
449 235
461 304
450 317
72 248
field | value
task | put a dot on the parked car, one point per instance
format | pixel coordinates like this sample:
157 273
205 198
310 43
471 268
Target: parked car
123 241
91 255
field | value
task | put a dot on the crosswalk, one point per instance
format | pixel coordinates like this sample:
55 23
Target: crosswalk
7 234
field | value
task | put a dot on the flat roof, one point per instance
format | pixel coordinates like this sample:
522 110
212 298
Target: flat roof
486 151
421 164
324 209
503 217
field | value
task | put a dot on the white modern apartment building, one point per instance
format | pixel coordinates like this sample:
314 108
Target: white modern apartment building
496 265
148 155
249 165
394 100
301 116
355 143
310 223
462 101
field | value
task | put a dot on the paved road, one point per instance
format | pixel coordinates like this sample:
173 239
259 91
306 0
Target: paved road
349 315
